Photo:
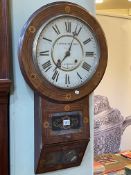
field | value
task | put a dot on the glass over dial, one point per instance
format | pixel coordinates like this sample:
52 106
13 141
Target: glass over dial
66 52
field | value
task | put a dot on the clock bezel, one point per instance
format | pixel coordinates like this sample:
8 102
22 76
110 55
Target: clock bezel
69 35
32 76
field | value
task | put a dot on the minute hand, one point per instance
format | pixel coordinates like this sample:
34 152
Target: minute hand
68 51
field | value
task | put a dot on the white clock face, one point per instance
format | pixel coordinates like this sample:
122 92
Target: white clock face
66 52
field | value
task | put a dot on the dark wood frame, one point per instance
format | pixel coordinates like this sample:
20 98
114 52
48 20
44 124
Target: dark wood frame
28 67
48 137
46 143
4 86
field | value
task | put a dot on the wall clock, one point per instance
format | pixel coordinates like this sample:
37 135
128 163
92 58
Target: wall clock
63 57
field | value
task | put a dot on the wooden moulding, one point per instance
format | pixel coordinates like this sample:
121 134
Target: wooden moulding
5 84
4 40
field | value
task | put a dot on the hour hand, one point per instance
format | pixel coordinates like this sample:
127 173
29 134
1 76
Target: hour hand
58 64
67 54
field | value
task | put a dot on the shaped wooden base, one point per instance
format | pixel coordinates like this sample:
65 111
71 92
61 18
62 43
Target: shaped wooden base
59 156
61 133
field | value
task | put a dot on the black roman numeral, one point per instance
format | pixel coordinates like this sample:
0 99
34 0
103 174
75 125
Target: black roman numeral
47 65
67 79
55 75
86 41
89 54
44 53
79 75
55 28
47 39
68 27
86 66
77 31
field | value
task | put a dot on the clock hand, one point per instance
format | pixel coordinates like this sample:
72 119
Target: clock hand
74 34
68 51
58 65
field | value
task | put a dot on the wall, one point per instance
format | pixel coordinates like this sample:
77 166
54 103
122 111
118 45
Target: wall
117 79
21 104
114 4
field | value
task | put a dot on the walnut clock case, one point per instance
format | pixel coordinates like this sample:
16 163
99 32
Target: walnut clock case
63 57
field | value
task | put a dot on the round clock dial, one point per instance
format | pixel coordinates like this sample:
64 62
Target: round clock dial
66 52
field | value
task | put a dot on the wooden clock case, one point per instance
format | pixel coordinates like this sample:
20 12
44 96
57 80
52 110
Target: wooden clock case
59 146
56 146
5 84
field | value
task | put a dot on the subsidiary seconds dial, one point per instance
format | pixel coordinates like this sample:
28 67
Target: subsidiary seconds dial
66 52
